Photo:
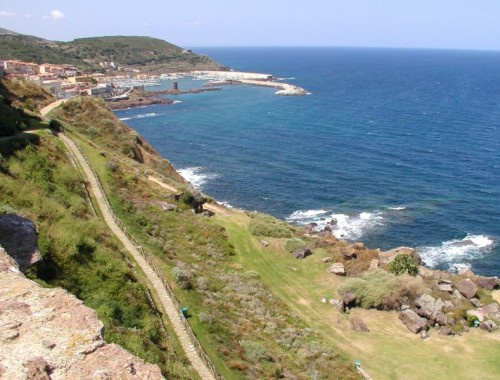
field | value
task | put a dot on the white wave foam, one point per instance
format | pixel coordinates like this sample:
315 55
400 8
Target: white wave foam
151 114
353 227
304 217
454 252
196 177
346 227
397 208
177 102
125 118
225 204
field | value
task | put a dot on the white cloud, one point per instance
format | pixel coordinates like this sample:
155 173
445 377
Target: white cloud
56 15
28 15
193 24
6 14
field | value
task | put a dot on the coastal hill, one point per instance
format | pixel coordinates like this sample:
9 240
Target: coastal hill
146 53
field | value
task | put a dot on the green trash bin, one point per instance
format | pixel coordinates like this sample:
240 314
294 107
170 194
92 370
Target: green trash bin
476 323
184 311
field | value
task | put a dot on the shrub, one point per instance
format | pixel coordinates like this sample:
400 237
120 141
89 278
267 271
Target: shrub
381 290
293 244
404 264
182 278
265 225
255 351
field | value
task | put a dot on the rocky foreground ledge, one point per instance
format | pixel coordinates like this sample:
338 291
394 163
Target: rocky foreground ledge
50 334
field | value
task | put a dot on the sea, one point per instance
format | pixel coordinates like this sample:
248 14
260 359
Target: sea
396 147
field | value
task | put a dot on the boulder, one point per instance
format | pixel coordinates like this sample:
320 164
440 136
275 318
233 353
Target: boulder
425 272
424 334
488 325
476 313
358 325
445 331
457 295
466 273
328 236
37 369
336 303
338 269
441 319
309 229
264 243
349 298
412 321
327 259
18 237
428 307
475 302
208 213
491 310
168 206
488 283
302 253
388 256
467 288
445 288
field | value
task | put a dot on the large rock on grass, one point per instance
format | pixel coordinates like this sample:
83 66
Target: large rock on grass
302 253
467 288
18 237
430 308
338 269
413 321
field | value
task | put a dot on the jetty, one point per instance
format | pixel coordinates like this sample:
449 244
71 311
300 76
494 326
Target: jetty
220 78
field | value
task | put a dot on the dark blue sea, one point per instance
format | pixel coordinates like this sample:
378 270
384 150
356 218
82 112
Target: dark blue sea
400 147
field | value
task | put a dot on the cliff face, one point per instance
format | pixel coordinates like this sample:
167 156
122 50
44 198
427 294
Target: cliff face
50 334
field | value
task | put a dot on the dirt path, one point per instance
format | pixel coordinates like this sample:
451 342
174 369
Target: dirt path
45 110
155 283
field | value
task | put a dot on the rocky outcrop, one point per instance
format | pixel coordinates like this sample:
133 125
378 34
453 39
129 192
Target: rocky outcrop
18 237
50 334
431 309
412 321
388 256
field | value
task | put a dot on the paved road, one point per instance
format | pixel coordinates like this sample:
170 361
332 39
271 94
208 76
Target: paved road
155 283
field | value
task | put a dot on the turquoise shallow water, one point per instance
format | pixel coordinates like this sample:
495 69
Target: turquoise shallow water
400 147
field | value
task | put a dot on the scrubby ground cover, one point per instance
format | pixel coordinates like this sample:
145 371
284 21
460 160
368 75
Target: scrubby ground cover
389 350
245 329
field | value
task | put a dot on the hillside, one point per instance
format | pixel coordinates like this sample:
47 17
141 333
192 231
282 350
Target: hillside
148 54
263 296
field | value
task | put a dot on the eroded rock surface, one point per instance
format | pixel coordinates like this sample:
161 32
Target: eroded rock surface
50 334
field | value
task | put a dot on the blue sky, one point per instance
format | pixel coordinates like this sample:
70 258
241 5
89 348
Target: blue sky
449 24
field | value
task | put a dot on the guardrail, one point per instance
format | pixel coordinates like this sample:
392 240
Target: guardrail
194 340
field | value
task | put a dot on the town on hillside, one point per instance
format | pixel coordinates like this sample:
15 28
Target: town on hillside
65 81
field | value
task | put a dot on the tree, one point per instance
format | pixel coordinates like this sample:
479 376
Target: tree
404 264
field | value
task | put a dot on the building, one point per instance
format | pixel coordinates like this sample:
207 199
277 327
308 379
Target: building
20 67
48 68
54 86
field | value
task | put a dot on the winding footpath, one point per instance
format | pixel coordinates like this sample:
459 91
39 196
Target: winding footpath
155 283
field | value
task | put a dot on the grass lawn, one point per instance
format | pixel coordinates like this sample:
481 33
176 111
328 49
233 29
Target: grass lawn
389 350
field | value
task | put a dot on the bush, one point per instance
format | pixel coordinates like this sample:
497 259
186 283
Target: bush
255 351
381 290
265 225
182 278
293 244
404 264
